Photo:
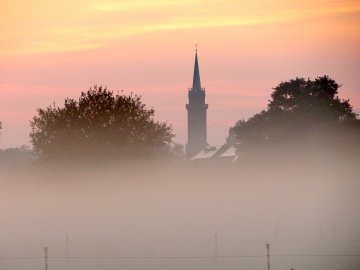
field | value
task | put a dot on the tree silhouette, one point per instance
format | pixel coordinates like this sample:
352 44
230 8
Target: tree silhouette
300 110
318 98
100 125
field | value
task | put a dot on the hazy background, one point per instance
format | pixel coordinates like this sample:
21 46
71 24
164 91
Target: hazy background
50 50
309 216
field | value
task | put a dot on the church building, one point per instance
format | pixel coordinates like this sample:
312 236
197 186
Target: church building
196 111
197 147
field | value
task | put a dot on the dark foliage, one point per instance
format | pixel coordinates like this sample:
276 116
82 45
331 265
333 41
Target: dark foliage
301 113
100 125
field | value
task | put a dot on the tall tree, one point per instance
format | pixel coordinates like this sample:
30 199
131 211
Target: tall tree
100 124
298 110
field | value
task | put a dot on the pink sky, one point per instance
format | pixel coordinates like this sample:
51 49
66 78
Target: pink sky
50 51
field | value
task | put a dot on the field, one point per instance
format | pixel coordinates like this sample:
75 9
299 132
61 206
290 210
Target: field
173 217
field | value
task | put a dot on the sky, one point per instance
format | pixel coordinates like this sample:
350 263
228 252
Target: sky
51 50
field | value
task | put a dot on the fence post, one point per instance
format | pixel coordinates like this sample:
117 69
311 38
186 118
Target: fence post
46 257
216 250
268 256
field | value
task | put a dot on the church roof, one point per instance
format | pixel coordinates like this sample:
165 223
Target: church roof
207 152
222 151
230 152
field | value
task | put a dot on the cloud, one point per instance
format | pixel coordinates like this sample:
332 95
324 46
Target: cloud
92 24
125 6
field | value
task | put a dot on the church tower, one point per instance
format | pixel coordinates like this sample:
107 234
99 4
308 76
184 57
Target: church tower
197 138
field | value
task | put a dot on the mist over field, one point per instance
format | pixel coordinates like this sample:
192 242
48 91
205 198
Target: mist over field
176 215
106 187
180 135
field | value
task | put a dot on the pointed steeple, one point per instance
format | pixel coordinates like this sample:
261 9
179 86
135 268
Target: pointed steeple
196 108
196 80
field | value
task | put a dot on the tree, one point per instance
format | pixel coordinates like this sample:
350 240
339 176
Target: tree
318 98
16 157
300 110
100 125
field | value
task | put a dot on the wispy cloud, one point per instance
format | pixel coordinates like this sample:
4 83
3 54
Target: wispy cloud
95 23
125 6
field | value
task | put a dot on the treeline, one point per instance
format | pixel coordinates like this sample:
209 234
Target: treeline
303 117
16 157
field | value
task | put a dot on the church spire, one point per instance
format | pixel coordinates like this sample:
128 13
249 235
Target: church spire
196 80
197 137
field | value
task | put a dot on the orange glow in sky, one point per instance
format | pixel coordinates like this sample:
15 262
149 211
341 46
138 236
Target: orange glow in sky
50 50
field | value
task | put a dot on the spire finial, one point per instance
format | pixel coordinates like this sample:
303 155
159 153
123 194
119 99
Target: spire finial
196 48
